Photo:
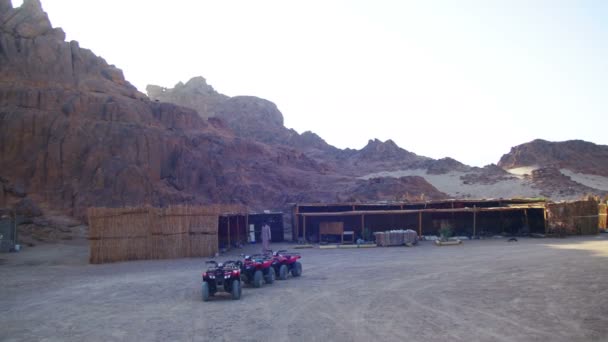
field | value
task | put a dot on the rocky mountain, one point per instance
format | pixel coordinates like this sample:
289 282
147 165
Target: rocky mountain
258 119
74 133
261 120
575 155
196 93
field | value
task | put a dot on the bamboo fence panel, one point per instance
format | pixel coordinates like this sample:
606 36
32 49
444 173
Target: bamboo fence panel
573 218
119 234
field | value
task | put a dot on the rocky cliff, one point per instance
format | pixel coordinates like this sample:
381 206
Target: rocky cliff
576 155
75 133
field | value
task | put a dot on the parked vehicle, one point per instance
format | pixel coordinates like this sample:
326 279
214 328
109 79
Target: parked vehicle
257 268
222 276
285 262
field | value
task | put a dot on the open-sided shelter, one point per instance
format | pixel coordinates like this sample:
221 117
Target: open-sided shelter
464 217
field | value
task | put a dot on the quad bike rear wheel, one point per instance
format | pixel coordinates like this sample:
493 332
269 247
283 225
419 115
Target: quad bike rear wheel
283 272
296 270
205 291
257 278
236 290
271 276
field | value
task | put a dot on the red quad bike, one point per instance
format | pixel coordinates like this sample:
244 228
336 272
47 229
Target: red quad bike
256 267
285 262
218 275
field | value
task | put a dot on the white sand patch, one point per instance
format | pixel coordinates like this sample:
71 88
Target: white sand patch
592 181
522 171
451 184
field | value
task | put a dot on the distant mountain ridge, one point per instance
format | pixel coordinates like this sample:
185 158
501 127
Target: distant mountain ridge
258 119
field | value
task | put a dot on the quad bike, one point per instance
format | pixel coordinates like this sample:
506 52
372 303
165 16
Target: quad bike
225 275
255 268
285 262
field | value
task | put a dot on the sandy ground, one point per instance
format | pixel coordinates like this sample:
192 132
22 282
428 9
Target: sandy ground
451 184
490 290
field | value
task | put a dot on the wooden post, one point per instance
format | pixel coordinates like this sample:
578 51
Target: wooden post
246 227
526 222
420 223
238 230
362 224
217 235
229 245
295 231
304 228
474 220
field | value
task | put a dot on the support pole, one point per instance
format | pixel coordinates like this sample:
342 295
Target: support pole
238 230
474 220
229 245
420 223
15 238
362 224
526 219
246 226
304 228
296 224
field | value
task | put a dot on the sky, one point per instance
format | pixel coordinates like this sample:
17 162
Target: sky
464 79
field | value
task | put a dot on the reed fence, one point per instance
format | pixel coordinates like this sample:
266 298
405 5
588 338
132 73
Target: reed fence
119 234
573 218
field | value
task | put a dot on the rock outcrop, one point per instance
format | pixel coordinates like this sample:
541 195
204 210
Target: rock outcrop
575 155
75 134
249 117
195 93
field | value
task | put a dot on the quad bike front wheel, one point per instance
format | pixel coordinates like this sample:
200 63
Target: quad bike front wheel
205 291
271 276
296 270
257 279
236 290
283 272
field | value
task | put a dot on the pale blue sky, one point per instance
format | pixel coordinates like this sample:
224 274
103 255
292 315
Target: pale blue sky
465 79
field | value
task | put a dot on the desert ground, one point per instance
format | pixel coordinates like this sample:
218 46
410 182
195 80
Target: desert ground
488 290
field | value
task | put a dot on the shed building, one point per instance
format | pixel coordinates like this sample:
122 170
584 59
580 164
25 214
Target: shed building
465 217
